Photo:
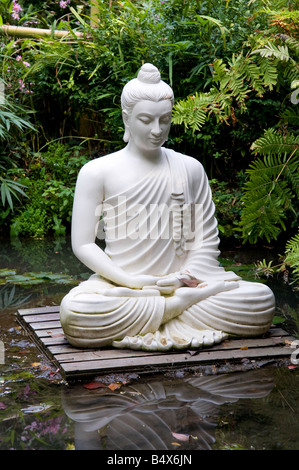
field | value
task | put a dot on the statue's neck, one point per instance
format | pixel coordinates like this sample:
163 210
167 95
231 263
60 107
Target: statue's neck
145 155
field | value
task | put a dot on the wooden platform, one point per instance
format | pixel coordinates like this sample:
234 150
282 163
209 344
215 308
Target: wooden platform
43 324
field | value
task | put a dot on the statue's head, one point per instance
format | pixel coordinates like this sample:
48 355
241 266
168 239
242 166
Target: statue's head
148 86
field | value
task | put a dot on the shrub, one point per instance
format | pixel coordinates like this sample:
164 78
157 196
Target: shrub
50 182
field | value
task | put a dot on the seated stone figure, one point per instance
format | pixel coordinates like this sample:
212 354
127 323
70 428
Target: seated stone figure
158 283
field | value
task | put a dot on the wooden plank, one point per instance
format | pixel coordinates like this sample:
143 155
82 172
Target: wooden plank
93 355
41 318
165 361
227 344
276 331
46 333
44 325
46 342
34 311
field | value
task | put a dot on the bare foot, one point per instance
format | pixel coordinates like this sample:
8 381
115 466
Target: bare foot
185 297
203 291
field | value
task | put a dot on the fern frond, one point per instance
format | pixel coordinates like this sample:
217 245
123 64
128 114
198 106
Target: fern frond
292 255
191 111
280 52
254 76
291 115
269 72
264 217
273 142
292 44
272 187
220 70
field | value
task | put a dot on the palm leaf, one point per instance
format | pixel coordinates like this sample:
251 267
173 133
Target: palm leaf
10 189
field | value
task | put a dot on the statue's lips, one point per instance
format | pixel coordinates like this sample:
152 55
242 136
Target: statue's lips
156 141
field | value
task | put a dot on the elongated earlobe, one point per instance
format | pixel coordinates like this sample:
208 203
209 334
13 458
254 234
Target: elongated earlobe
126 136
125 117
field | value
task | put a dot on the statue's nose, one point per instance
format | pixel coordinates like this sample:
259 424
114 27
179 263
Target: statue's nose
156 129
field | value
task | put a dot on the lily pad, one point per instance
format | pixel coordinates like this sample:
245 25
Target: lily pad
7 272
31 278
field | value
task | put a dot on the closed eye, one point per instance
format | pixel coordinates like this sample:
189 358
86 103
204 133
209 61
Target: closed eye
145 119
165 119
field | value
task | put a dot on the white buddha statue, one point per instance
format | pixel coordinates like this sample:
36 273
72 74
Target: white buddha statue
158 283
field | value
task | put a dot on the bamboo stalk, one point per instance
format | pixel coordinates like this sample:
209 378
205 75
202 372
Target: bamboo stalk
25 32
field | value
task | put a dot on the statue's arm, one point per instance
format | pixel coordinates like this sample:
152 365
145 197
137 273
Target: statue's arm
89 196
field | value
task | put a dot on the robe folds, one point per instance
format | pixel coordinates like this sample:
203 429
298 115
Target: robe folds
161 225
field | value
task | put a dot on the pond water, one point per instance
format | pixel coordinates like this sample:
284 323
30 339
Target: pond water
253 407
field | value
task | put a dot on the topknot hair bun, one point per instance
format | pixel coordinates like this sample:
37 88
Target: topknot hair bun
149 74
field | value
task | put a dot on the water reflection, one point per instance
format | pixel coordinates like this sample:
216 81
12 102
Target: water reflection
147 416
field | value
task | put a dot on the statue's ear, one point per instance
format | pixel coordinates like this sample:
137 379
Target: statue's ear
125 116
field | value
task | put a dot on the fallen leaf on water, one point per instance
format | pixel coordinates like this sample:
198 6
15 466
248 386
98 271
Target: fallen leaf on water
93 385
70 447
114 386
287 341
193 353
181 437
175 444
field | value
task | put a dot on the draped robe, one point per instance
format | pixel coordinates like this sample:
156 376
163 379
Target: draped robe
163 224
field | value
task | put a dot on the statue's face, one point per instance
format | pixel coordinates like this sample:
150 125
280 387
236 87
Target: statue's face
149 123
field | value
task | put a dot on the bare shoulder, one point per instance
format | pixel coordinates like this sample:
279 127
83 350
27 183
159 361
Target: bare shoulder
194 164
191 164
98 168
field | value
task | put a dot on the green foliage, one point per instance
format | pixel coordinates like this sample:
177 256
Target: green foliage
11 120
292 256
272 190
10 189
13 278
72 79
32 222
266 64
228 204
233 67
12 124
288 267
50 182
232 85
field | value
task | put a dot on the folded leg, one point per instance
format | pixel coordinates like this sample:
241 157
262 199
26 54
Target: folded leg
244 311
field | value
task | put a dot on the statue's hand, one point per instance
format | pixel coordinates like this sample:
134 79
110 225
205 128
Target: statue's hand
142 280
164 284
168 284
